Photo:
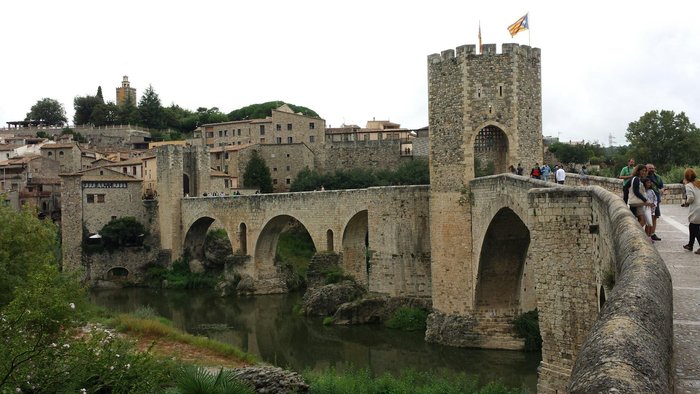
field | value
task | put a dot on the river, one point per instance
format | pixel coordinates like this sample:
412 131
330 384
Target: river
266 327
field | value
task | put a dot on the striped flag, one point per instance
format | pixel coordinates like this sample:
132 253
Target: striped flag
519 25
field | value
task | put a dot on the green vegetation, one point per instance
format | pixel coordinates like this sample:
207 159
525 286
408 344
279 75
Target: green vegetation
159 327
352 382
179 276
408 319
217 250
257 174
261 111
328 320
47 111
123 232
609 278
415 172
26 244
527 326
195 380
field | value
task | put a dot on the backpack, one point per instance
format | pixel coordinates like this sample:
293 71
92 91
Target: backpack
536 172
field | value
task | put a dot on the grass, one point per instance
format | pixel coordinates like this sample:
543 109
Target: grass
352 382
159 327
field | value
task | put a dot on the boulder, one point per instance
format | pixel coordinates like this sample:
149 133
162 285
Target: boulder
376 309
246 285
273 380
196 266
325 300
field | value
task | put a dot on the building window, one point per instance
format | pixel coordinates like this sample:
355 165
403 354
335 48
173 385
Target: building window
312 139
312 126
124 170
262 140
274 168
210 134
500 90
288 168
262 129
50 154
289 126
279 127
287 154
289 181
289 140
90 198
279 140
114 217
221 133
60 153
225 133
239 132
100 198
133 169
274 181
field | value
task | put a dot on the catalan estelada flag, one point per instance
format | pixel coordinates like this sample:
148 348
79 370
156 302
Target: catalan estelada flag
519 25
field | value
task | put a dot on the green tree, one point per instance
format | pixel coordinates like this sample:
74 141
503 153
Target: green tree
98 96
260 111
128 113
84 106
151 112
25 244
257 174
47 111
104 114
124 231
664 138
567 153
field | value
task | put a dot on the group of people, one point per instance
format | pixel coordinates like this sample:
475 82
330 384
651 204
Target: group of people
542 172
642 189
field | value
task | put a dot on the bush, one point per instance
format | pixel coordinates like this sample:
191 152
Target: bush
123 232
527 326
195 380
408 319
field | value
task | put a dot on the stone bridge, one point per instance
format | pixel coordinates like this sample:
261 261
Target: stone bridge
381 233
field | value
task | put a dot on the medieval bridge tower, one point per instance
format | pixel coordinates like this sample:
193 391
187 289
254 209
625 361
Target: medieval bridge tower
485 114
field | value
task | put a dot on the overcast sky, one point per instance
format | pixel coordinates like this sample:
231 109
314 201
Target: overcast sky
604 63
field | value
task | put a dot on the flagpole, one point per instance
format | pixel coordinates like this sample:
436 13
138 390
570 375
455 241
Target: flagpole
528 29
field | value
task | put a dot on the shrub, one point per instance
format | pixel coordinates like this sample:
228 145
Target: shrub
527 326
408 319
195 380
122 232
328 320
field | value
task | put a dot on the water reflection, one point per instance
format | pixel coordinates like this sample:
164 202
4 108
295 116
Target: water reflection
265 326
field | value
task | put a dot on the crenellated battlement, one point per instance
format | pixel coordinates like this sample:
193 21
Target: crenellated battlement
488 50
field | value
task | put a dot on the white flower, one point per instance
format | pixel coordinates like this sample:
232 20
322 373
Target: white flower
128 366
72 305
66 346
53 345
118 356
111 368
18 390
83 391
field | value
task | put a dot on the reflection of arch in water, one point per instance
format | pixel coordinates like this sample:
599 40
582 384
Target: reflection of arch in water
501 263
490 151
266 245
118 274
355 248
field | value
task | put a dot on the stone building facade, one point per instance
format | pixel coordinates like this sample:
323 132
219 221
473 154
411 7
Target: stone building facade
68 156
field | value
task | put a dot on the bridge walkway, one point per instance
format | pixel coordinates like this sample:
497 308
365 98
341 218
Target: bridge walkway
684 267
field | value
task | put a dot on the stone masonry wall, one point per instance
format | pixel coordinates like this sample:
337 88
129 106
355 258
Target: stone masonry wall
71 222
630 346
397 224
335 156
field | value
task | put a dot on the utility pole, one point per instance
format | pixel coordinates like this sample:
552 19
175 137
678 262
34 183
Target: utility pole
611 140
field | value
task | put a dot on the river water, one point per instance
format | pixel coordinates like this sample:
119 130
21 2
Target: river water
266 327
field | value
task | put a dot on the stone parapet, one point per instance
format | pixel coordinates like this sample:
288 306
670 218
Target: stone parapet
630 347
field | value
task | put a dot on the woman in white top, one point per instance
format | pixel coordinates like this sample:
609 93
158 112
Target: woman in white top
692 201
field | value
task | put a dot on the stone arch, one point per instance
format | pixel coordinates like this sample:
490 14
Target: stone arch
355 247
475 139
501 263
266 244
329 240
196 234
243 238
490 151
118 274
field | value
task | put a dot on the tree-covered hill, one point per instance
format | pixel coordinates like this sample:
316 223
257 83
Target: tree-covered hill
260 111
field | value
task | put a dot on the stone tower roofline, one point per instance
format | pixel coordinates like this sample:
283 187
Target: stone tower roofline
489 50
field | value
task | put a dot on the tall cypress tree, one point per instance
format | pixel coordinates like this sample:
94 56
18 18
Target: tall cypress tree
257 174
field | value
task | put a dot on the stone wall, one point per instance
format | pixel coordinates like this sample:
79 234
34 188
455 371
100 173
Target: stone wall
285 161
393 219
630 346
582 238
337 156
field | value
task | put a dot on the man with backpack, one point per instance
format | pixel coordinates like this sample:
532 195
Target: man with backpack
535 172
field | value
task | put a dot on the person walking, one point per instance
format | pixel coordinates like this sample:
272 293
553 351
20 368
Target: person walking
560 174
535 171
638 199
545 170
583 176
657 185
520 169
692 201
626 176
